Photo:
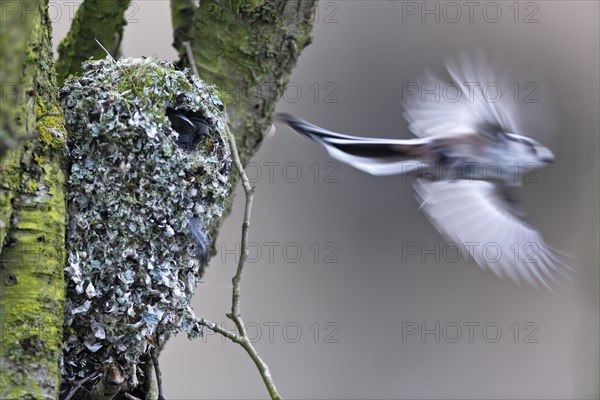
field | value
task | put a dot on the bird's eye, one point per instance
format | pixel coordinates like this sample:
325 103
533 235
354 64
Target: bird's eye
533 149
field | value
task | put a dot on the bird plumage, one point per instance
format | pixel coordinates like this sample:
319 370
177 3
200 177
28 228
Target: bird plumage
469 163
189 127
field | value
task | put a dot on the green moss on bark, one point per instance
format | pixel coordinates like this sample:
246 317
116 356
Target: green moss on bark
18 19
101 20
245 48
32 228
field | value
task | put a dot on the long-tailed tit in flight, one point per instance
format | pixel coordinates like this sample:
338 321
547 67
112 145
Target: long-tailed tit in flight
469 161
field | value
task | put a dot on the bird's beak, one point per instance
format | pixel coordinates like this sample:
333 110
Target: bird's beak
549 160
547 157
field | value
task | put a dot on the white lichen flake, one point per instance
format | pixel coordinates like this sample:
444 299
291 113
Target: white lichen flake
134 195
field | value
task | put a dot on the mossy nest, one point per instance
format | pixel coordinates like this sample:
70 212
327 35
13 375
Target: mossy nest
132 263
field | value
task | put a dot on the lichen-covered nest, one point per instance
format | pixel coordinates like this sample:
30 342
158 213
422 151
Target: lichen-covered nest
132 263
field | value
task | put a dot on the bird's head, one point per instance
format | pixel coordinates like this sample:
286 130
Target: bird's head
527 150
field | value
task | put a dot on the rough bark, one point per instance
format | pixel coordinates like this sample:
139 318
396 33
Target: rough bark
15 31
248 49
110 385
32 216
101 20
245 47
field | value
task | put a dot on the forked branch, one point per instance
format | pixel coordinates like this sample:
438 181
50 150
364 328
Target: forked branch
241 337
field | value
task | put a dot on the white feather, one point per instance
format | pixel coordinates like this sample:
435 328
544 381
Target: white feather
474 214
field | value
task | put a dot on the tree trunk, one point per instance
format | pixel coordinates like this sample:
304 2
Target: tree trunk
101 20
248 49
245 47
32 207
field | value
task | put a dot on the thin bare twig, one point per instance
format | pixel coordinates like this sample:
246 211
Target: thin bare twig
237 279
190 56
235 314
217 329
157 373
241 337
75 388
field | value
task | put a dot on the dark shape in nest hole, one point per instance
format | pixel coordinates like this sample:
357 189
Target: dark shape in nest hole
190 127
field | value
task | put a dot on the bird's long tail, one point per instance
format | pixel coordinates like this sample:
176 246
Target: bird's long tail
371 155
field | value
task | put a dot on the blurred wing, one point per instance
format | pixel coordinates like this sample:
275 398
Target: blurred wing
372 155
474 100
487 219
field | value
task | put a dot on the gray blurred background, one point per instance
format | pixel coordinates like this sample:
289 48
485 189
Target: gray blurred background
336 304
